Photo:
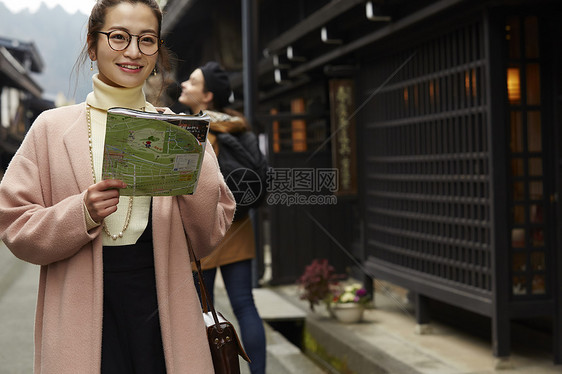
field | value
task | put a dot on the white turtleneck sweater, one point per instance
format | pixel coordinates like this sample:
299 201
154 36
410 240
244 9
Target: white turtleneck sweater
100 100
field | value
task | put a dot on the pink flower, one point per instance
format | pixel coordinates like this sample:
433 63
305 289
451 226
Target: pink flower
361 292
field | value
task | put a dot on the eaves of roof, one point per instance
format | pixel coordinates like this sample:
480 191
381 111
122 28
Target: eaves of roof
174 11
16 74
28 48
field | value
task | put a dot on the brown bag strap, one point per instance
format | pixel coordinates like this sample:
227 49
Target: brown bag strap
204 295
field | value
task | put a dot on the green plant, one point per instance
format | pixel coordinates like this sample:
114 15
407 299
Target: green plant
318 282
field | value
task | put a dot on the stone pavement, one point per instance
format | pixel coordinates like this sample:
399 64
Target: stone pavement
385 342
18 294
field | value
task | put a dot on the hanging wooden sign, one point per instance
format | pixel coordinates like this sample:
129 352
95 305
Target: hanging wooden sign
344 150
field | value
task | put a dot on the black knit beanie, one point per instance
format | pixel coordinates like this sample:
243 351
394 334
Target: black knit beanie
216 81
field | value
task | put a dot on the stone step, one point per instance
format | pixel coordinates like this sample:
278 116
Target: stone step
283 357
361 348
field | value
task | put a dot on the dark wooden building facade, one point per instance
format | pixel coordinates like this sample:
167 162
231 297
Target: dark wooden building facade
442 118
20 95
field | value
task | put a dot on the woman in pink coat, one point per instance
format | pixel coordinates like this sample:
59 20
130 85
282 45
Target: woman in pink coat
116 293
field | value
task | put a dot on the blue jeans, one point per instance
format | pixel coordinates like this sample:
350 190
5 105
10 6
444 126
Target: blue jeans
238 282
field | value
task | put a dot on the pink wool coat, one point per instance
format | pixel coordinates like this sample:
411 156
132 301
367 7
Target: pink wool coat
42 221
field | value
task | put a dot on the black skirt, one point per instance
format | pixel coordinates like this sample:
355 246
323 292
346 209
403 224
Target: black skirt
131 337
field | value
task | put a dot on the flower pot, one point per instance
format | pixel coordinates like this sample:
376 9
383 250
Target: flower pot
347 312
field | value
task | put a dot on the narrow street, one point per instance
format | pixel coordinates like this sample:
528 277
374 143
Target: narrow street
18 293
385 340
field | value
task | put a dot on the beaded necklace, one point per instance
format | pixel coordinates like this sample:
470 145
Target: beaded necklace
130 206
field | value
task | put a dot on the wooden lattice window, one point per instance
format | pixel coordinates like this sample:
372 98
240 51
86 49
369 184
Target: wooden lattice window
427 167
529 202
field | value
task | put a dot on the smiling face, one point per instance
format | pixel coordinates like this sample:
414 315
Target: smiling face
129 67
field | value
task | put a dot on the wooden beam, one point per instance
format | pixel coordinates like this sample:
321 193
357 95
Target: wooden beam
375 36
312 22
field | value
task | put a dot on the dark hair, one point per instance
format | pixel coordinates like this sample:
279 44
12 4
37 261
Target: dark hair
217 82
97 20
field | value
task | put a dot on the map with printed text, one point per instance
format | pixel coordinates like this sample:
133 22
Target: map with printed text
154 154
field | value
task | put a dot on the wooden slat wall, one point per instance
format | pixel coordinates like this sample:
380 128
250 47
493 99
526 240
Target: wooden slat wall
427 162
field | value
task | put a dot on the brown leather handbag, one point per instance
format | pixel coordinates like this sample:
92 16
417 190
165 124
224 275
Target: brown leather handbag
223 340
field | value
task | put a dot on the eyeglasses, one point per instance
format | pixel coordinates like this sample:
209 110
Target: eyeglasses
119 40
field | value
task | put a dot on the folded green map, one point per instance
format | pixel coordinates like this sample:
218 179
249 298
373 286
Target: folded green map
155 154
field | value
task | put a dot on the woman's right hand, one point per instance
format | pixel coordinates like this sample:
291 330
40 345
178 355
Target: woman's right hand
102 198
